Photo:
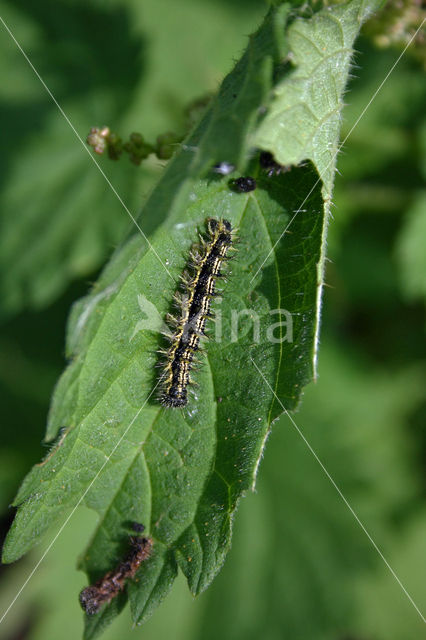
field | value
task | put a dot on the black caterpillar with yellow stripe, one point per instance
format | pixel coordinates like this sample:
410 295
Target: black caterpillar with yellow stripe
206 262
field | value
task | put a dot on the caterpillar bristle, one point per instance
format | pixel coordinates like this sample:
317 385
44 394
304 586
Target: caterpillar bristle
178 297
172 321
186 279
198 281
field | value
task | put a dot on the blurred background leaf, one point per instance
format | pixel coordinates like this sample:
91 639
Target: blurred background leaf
300 565
60 219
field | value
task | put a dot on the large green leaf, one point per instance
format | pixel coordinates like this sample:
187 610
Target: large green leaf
181 473
59 218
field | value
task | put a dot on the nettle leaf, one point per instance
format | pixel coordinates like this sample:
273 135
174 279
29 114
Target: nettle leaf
100 60
63 234
182 472
59 220
303 120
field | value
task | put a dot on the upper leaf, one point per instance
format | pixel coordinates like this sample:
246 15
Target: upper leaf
303 120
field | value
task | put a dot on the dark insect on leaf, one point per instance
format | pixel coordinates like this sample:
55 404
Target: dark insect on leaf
243 184
109 586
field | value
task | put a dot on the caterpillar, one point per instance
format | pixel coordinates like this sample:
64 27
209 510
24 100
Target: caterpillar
207 259
109 586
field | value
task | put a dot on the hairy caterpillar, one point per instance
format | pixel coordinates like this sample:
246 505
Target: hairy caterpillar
207 259
110 585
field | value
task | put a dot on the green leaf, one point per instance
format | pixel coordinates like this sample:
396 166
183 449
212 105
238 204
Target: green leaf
181 473
63 234
303 121
410 251
59 220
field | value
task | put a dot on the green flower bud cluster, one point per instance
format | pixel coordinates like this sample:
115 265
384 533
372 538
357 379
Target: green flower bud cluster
101 139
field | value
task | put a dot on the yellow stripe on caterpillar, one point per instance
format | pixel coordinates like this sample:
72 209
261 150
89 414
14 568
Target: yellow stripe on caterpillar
206 261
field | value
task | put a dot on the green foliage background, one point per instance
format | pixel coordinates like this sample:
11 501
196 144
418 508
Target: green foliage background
300 565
